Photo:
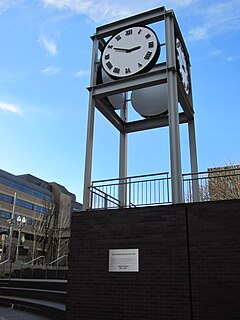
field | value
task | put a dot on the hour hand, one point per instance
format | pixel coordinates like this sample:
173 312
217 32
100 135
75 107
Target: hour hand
133 49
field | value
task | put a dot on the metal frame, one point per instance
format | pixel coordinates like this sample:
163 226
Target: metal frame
160 73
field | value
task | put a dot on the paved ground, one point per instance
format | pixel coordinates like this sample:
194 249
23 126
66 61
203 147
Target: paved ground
16 314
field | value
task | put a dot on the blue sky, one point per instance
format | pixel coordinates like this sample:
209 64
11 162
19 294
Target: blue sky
44 71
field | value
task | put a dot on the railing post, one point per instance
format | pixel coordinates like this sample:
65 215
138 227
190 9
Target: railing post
10 270
106 201
46 269
91 197
129 192
168 188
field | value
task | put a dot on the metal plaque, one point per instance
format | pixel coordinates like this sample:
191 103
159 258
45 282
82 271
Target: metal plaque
123 260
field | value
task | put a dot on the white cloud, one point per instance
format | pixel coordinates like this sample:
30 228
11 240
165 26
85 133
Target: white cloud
108 10
74 5
82 73
96 10
233 58
215 53
48 44
179 3
6 4
198 33
216 20
7 107
50 71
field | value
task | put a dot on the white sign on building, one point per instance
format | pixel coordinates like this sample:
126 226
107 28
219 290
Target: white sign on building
123 260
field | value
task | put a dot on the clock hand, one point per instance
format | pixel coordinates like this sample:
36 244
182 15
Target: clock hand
127 50
133 49
120 49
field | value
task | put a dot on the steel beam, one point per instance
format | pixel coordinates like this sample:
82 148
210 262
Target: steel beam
141 19
154 77
152 123
110 114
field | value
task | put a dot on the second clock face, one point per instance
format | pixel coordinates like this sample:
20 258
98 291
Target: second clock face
183 66
131 51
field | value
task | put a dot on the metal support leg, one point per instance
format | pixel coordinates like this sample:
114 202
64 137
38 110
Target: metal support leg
175 152
123 158
90 131
193 160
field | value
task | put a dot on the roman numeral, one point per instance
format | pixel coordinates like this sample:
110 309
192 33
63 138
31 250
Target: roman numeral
140 30
150 44
110 47
148 55
116 70
118 38
139 65
128 32
107 56
127 70
147 36
109 65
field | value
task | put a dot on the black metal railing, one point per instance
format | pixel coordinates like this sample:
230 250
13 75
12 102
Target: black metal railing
155 189
213 185
131 191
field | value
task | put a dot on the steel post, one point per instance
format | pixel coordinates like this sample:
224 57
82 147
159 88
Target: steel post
123 157
90 130
175 152
193 160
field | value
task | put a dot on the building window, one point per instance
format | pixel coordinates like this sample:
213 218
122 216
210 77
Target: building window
25 189
5 215
24 204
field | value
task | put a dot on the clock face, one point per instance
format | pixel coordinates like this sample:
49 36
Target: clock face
131 51
182 65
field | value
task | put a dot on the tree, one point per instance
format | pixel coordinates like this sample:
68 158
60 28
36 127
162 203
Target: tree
224 182
42 230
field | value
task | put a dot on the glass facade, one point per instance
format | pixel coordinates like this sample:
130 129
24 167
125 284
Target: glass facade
25 189
24 204
5 214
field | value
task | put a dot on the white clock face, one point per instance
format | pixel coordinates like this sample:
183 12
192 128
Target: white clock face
131 51
183 67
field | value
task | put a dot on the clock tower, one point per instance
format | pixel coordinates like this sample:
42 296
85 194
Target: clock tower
127 61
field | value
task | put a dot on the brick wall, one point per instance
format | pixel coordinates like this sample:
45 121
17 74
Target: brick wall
214 238
188 263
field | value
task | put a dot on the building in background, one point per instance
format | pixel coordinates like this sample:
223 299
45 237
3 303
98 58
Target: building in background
40 219
224 183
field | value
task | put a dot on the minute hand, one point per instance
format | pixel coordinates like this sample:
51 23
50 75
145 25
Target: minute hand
121 49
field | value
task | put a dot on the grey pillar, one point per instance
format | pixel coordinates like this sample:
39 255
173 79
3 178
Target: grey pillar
123 157
193 160
175 152
90 131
